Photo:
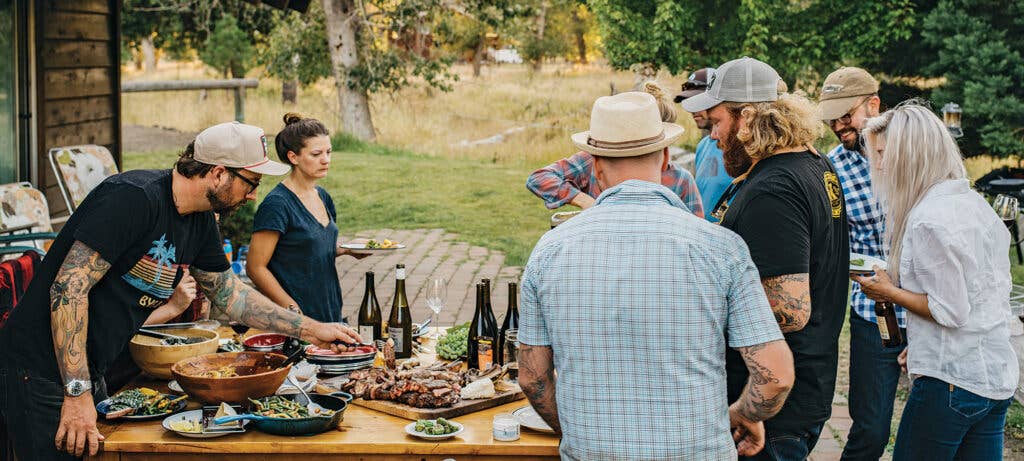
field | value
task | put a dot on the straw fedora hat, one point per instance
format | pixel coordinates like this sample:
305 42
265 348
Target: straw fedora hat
626 125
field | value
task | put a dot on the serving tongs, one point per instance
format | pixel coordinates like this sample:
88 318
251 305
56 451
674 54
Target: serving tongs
165 336
210 412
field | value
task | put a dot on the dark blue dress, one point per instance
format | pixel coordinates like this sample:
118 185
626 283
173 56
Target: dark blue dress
303 261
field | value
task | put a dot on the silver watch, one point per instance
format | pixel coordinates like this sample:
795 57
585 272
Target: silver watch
76 387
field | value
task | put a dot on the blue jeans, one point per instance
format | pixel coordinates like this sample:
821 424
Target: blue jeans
874 376
944 422
787 445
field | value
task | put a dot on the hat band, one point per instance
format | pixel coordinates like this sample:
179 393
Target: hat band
625 144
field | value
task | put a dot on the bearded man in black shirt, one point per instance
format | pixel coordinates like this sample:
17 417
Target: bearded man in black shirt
118 259
787 204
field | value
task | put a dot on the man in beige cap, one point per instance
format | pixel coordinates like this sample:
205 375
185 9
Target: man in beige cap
648 321
849 97
787 205
113 264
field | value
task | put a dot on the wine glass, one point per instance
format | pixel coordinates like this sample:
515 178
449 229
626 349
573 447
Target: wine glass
437 292
1006 207
239 329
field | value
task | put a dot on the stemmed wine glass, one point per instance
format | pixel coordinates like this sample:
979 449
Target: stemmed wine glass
1006 207
437 292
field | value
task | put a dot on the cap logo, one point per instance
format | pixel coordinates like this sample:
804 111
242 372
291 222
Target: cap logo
831 88
711 81
263 140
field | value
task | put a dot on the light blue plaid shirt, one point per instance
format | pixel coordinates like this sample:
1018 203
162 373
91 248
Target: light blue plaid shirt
867 223
635 296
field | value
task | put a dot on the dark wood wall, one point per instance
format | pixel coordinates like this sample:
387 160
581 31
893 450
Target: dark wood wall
78 81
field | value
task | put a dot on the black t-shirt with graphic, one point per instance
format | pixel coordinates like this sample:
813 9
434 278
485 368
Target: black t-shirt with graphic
131 221
790 213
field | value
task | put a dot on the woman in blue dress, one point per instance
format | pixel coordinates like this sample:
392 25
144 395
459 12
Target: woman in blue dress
295 232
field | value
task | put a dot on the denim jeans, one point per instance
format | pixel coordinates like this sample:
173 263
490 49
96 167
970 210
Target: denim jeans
787 445
944 422
874 376
30 406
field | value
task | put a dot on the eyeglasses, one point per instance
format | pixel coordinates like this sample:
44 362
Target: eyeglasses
694 85
252 184
846 119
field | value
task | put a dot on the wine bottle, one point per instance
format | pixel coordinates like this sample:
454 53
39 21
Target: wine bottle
400 322
888 326
511 322
482 334
489 310
369 313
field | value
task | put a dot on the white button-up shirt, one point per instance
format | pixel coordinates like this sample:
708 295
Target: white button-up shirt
956 251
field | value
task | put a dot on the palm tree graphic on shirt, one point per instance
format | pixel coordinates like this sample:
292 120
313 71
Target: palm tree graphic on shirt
163 256
150 273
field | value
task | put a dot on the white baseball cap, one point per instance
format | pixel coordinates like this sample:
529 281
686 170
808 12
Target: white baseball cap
237 145
740 80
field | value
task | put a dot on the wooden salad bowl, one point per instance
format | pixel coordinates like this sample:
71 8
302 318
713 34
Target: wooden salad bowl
157 359
259 375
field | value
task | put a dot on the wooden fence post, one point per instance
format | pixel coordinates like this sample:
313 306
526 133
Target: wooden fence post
240 104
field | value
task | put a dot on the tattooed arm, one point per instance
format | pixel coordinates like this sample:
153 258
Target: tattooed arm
69 324
237 301
771 377
537 378
790 298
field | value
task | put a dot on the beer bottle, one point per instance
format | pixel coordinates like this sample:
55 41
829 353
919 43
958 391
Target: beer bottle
400 321
511 322
888 327
369 313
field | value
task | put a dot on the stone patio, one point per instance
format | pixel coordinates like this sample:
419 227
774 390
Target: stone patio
432 253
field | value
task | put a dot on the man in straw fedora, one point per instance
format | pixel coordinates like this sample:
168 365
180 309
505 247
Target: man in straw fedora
787 205
650 326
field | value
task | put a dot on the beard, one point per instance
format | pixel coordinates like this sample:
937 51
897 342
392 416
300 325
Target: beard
734 156
222 205
854 144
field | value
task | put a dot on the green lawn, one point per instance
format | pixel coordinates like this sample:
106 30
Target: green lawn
376 187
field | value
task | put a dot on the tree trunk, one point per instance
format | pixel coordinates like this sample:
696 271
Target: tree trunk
579 29
289 91
542 19
342 40
148 55
478 55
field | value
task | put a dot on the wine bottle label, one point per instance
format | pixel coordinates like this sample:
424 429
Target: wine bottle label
883 328
397 335
484 352
366 332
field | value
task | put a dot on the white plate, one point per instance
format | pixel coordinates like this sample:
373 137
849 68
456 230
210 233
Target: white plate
411 430
869 263
360 248
196 415
529 419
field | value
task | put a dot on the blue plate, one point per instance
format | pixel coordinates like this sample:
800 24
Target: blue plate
104 407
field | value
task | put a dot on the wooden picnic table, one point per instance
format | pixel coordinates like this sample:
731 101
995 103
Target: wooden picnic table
364 434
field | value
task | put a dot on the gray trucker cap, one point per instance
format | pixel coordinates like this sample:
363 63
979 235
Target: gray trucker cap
740 80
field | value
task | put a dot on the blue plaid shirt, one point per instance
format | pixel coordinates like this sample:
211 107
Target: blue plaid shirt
635 296
867 223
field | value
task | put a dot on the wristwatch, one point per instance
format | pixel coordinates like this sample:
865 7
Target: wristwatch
76 387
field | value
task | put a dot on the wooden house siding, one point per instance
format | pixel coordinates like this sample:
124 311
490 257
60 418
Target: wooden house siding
77 68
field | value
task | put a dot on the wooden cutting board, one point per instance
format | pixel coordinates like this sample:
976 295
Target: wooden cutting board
463 407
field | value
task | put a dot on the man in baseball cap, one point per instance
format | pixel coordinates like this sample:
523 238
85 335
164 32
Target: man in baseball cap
695 84
708 166
114 264
849 97
787 205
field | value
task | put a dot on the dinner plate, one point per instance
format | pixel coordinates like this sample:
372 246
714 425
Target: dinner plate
360 248
321 356
104 407
339 369
411 430
869 263
529 419
197 415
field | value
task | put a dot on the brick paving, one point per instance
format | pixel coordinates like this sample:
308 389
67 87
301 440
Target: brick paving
433 253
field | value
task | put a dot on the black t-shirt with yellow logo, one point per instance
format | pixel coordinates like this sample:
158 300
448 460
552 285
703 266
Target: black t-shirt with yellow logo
131 221
790 212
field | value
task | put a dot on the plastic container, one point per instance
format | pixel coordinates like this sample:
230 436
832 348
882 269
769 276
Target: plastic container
505 428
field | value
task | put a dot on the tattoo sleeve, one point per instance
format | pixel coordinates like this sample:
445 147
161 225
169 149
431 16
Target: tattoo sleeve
537 378
790 298
69 309
241 303
771 377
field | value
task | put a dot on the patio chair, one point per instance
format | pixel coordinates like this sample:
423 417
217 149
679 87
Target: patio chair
24 219
79 169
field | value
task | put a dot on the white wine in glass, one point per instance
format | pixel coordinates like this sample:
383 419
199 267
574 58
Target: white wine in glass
437 293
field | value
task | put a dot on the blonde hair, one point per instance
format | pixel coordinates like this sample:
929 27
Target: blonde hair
769 126
668 112
918 153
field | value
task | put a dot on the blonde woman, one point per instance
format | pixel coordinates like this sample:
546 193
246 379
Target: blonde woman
571 181
949 266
